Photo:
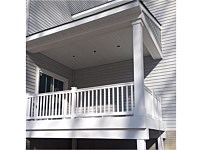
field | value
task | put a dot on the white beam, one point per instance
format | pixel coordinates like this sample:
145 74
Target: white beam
141 145
100 8
138 68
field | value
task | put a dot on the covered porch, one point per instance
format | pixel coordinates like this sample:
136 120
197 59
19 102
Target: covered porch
127 110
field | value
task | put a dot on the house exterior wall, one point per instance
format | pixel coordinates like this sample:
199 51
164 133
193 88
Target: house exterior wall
160 75
30 75
55 13
118 72
38 60
163 77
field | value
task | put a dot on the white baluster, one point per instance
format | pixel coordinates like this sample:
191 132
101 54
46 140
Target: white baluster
131 98
88 101
117 99
122 98
96 98
100 100
52 108
113 98
84 102
126 98
104 100
92 101
109 100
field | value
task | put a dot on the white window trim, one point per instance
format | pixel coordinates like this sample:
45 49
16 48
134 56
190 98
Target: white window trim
56 76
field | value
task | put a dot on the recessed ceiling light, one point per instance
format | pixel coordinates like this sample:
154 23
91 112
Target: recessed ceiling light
118 45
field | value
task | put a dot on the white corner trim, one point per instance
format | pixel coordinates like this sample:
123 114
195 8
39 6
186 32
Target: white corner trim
100 8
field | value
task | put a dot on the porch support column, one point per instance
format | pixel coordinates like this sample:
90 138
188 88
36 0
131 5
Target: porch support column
138 68
160 143
74 144
141 145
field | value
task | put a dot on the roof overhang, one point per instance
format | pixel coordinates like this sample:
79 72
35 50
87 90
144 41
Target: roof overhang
97 21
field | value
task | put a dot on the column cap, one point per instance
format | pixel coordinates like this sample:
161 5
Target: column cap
73 88
138 21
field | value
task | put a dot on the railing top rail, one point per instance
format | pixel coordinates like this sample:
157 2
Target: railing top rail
50 93
151 92
105 86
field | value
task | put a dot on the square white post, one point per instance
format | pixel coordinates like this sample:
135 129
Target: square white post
74 144
141 145
73 106
138 68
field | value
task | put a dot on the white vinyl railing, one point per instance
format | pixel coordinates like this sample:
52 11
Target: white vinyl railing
108 100
49 105
100 101
153 104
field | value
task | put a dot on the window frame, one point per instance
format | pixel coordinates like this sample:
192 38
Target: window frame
49 73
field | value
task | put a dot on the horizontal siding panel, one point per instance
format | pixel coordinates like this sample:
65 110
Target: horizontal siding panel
162 71
161 81
160 75
30 75
159 9
171 108
31 85
167 12
168 105
171 83
153 3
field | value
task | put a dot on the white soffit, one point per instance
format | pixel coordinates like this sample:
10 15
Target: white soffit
80 54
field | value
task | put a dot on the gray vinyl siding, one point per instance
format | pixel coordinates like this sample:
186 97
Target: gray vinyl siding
30 75
45 14
38 59
105 74
79 6
162 76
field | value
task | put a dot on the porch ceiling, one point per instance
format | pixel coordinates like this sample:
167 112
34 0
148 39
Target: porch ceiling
111 46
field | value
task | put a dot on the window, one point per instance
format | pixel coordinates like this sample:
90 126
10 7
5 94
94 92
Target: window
49 83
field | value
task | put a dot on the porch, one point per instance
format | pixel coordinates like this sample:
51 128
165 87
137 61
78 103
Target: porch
107 111
115 111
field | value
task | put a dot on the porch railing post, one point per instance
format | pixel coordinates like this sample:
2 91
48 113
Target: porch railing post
36 106
73 104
